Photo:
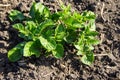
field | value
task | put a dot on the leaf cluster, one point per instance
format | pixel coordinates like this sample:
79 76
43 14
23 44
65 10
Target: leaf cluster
43 30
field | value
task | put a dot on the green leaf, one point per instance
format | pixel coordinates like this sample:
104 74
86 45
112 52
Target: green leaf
40 8
91 25
31 48
91 47
39 11
48 43
91 33
59 51
71 36
55 16
87 48
50 33
16 15
30 29
24 33
16 53
77 15
79 46
88 58
46 12
44 25
31 26
65 8
32 10
77 25
60 32
73 23
88 15
68 21
80 52
19 27
93 41
23 36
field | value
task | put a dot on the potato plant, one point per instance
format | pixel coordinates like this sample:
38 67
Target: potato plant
43 30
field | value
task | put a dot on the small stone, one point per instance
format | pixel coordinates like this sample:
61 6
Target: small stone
32 66
3 50
4 35
22 7
73 76
4 1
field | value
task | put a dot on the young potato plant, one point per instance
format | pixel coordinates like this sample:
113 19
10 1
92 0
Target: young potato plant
43 30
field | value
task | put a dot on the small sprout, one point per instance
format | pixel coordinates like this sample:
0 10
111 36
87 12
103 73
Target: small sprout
47 31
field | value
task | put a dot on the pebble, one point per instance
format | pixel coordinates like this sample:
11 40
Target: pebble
4 35
73 76
22 7
4 1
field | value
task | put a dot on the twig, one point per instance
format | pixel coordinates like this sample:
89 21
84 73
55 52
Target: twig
99 55
102 9
4 5
48 74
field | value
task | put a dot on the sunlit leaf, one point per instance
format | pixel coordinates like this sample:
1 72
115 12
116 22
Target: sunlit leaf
31 48
59 51
39 11
80 52
88 15
16 15
91 25
91 33
60 32
55 16
48 43
16 53
71 36
44 25
88 58
30 25
93 41
19 27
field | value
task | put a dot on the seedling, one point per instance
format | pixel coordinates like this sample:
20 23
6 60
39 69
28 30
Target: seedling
43 30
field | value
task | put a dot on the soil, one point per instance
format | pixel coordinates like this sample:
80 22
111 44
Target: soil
107 54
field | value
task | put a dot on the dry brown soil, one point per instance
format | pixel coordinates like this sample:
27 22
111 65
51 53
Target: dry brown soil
107 54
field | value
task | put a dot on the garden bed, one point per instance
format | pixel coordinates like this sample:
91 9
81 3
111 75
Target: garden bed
107 54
